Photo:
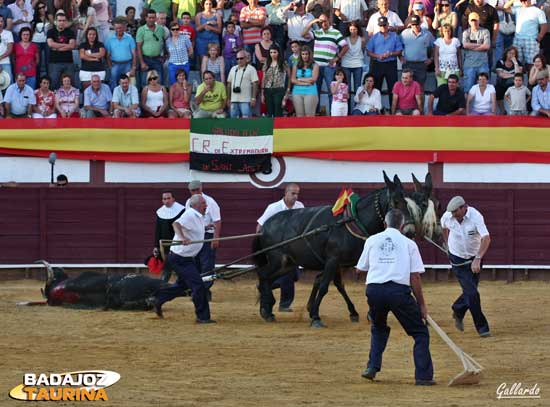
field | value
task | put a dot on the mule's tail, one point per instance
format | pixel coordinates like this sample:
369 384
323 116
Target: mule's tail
259 259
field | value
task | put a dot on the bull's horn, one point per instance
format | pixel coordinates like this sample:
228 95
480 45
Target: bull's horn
49 269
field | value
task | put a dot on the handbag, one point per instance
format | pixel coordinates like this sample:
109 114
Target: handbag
507 26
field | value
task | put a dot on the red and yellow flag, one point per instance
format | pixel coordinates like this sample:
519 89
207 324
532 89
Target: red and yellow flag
341 202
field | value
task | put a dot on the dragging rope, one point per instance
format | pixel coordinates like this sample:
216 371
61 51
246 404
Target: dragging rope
446 251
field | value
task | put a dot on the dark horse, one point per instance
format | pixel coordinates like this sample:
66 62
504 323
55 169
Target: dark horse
329 250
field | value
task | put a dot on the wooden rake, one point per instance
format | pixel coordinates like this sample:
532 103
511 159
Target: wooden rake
472 370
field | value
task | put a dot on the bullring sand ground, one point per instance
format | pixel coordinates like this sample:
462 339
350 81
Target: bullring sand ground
243 361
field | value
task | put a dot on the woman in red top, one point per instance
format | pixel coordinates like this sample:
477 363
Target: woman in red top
179 96
45 101
26 57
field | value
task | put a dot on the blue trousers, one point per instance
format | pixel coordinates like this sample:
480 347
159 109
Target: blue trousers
153 63
286 284
188 276
469 299
326 74
397 298
116 71
206 259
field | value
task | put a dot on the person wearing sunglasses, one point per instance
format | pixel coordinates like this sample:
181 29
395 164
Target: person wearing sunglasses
242 87
150 44
154 97
444 15
180 50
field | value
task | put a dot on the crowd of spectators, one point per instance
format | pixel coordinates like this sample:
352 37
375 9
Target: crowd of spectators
136 58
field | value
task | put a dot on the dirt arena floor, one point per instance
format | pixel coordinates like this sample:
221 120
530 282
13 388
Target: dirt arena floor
243 361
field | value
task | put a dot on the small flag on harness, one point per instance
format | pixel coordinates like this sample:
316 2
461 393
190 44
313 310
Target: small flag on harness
341 202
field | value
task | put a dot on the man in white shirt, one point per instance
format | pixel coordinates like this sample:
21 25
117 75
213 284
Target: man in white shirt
166 216
212 221
189 227
286 282
468 239
393 265
394 22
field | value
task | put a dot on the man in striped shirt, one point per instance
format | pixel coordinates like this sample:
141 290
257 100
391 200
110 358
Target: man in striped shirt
328 50
252 19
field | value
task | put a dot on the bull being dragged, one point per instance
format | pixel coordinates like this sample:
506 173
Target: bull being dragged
100 290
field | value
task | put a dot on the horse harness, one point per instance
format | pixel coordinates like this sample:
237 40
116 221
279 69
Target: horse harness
355 227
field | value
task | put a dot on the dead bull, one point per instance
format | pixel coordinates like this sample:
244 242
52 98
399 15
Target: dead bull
99 290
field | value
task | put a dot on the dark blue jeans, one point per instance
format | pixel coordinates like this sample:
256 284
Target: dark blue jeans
188 276
469 299
206 259
286 284
152 63
397 298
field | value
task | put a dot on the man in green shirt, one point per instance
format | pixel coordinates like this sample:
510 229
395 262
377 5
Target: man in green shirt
211 98
150 43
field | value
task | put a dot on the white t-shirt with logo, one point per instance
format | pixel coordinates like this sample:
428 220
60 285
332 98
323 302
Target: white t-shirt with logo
390 256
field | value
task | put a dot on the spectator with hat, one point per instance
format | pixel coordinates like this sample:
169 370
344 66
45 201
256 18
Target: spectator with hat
468 240
541 96
5 80
384 47
417 49
419 10
476 42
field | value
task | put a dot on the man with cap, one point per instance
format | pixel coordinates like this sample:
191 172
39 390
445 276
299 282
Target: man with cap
212 228
468 239
189 227
166 216
286 282
384 48
476 42
540 101
394 22
417 48
487 16
393 265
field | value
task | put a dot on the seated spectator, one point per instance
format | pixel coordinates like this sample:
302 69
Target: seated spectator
407 96
26 57
482 98
541 96
154 98
6 48
92 54
304 80
67 98
340 94
368 100
125 101
211 98
97 99
506 68
180 50
450 99
19 99
231 44
121 53
45 101
180 96
539 65
214 63
517 97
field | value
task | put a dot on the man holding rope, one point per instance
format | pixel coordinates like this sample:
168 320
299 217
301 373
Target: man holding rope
286 282
468 239
189 227
393 265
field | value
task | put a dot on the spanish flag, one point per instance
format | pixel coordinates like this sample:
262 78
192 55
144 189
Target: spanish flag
341 202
